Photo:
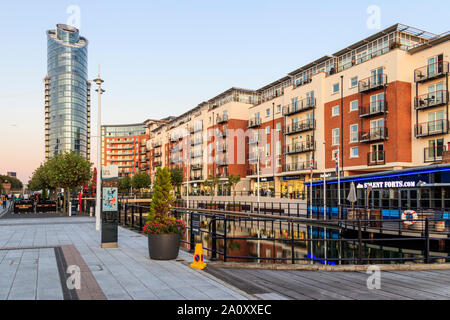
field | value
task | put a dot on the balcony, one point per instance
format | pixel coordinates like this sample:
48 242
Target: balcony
194 129
299 166
434 154
431 128
157 164
157 154
222 119
196 178
223 174
374 134
373 108
196 141
431 71
300 147
156 144
299 106
251 172
431 99
253 140
197 166
197 154
222 161
372 83
177 148
376 158
301 126
254 123
252 157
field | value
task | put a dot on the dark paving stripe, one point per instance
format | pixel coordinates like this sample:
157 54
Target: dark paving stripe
69 294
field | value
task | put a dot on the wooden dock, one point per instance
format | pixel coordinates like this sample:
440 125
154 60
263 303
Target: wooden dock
322 285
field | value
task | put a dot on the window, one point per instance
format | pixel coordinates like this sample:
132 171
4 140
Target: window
278 146
278 126
353 133
334 154
279 108
354 152
267 149
268 130
353 82
335 137
335 111
336 88
354 105
267 112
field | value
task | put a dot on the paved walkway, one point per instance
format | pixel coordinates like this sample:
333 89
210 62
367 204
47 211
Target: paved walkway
35 253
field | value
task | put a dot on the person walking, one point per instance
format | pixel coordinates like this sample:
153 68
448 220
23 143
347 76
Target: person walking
4 201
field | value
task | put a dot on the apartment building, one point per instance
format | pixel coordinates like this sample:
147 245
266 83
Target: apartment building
379 104
125 146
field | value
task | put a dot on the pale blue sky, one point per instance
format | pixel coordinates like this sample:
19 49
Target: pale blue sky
161 58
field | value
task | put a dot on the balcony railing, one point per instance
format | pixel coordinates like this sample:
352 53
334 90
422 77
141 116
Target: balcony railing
251 172
300 147
433 154
222 161
177 148
196 141
222 148
157 164
431 71
157 154
197 154
299 166
197 166
194 129
254 123
373 108
222 119
301 126
372 83
431 99
374 134
299 106
196 178
253 140
431 128
376 158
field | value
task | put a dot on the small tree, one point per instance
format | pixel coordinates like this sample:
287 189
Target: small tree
124 184
211 183
162 199
176 178
68 171
141 180
232 181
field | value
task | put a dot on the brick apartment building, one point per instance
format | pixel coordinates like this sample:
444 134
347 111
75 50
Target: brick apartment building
379 104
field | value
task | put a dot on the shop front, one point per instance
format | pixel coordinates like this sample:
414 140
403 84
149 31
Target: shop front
266 186
293 187
422 188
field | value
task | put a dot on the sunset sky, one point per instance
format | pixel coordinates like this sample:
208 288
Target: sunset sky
161 58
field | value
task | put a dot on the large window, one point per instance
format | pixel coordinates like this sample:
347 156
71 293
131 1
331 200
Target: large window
353 133
335 137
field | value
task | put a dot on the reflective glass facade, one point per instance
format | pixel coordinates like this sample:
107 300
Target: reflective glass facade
69 114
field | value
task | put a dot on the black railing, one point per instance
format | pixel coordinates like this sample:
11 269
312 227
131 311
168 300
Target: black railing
282 234
371 83
299 106
431 128
373 134
300 147
301 126
373 108
431 71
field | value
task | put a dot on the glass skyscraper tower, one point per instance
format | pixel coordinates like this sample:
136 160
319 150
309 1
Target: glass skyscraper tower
67 93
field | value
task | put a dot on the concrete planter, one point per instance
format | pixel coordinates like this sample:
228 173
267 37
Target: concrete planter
163 246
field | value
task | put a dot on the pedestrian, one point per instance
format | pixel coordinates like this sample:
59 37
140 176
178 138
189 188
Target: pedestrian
4 202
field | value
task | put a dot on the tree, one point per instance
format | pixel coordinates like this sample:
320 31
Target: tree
162 199
141 180
211 183
232 181
15 183
176 176
124 184
41 180
69 171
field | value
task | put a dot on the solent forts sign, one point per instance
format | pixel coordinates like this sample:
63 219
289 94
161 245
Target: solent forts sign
387 184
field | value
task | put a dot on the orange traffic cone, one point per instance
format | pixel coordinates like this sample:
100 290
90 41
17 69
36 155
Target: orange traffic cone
198 262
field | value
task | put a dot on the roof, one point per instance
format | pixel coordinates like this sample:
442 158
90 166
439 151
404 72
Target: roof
432 42
279 81
229 91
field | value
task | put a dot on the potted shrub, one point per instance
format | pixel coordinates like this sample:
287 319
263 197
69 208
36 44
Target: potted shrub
164 232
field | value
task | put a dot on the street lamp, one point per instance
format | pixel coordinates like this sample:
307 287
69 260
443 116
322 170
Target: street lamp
100 91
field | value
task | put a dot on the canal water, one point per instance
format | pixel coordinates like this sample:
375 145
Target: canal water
271 242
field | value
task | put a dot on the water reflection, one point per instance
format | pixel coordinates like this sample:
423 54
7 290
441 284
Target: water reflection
272 242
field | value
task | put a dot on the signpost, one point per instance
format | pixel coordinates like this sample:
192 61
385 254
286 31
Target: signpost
195 223
110 206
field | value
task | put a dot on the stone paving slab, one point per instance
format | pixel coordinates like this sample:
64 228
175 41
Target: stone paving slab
29 267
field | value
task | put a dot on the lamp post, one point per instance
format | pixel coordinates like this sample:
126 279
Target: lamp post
100 91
